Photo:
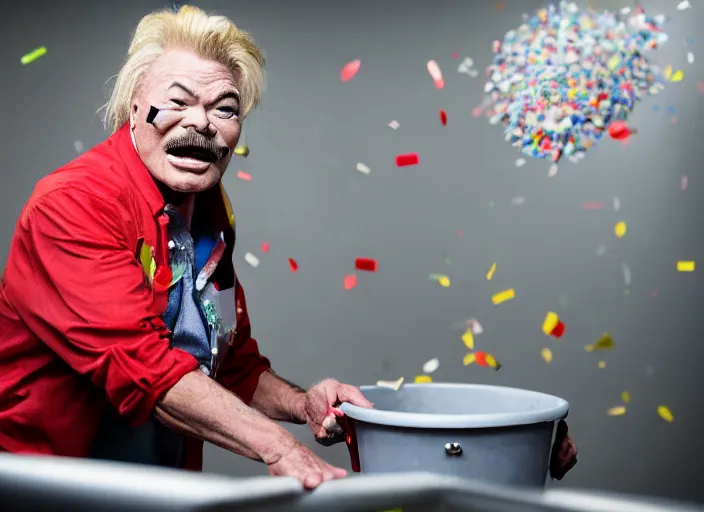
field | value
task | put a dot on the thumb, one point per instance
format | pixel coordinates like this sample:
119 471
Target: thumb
354 396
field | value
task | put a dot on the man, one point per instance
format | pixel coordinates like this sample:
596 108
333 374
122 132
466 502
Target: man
125 333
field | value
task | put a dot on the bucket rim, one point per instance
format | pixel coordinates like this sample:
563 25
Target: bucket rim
449 421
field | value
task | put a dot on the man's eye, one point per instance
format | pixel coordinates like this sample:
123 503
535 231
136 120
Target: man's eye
228 112
179 102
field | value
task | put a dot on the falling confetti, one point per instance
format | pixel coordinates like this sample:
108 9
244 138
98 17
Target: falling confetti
602 364
617 411
677 76
366 264
78 145
552 172
363 168
619 130
626 274
443 117
592 205
407 159
436 74
685 266
242 151
431 365
553 326
690 58
394 125
265 247
349 70
684 182
251 259
468 339
520 162
546 353
350 281
482 359
626 397
475 326
444 281
617 204
244 176
604 343
503 296
33 55
490 274
423 379
293 265
620 229
684 5
391 384
665 413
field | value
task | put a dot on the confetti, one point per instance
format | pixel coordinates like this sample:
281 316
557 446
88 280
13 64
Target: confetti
617 411
677 76
407 159
251 259
546 354
490 274
604 343
244 176
626 274
350 281
475 326
78 145
431 365
592 205
684 5
665 413
503 296
617 204
602 364
242 151
626 396
700 86
543 77
423 379
685 266
33 55
293 265
690 58
684 182
394 125
366 264
436 74
443 117
265 247
553 326
468 339
619 130
620 229
349 70
520 162
391 384
482 359
444 281
363 168
552 172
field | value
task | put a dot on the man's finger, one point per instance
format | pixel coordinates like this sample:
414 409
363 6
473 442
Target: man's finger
353 395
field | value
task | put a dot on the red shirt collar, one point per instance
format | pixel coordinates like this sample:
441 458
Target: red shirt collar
136 170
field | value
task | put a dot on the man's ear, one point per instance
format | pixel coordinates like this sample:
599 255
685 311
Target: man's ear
133 112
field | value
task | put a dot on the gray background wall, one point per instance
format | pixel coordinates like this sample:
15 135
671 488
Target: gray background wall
307 200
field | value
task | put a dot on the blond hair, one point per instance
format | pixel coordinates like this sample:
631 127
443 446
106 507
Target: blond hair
213 38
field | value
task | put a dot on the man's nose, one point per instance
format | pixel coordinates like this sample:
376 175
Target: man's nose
197 118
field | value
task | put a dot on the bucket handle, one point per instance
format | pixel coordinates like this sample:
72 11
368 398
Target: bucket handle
351 442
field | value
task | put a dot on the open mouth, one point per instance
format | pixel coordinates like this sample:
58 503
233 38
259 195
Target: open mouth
193 152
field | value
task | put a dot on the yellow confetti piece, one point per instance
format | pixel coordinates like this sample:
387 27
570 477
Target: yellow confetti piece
685 266
626 396
391 384
423 379
617 411
614 62
33 55
242 151
469 359
492 362
468 339
620 229
604 343
665 413
550 322
668 72
547 355
503 296
602 364
444 281
677 76
490 274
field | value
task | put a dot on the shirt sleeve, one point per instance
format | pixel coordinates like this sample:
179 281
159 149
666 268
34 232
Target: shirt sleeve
78 286
242 364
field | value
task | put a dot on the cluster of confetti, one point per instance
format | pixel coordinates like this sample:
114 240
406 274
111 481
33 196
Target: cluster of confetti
564 77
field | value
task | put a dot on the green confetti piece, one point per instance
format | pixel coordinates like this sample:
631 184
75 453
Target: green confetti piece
33 55
448 261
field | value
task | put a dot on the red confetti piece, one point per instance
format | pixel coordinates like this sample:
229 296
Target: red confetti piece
619 130
455 55
265 246
366 264
477 112
443 117
436 74
350 69
558 330
350 281
408 159
481 358
294 266
593 205
244 176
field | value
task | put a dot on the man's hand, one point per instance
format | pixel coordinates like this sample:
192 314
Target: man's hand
564 452
301 463
320 408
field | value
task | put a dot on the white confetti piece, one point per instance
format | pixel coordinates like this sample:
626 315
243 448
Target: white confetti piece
473 72
520 162
601 250
625 11
552 172
475 326
626 274
617 204
690 57
518 200
391 384
431 366
251 259
684 182
394 125
363 168
78 145
684 5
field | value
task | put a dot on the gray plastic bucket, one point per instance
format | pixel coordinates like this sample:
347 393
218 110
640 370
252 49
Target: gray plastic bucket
489 433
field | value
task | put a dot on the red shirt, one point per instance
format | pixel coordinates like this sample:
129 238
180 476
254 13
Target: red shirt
81 321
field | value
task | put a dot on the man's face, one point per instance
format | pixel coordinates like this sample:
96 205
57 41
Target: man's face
190 142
